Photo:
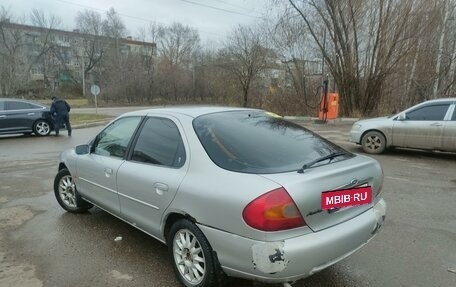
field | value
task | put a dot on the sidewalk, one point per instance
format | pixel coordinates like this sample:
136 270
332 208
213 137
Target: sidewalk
90 124
314 120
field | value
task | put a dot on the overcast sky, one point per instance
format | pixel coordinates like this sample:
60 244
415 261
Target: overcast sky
214 19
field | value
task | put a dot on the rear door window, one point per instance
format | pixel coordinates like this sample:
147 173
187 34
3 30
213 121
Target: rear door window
454 115
428 113
255 142
160 143
2 105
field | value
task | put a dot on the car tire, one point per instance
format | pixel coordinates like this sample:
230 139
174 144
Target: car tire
67 195
373 142
41 128
192 257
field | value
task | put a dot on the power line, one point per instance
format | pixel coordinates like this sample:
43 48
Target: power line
238 6
219 9
127 16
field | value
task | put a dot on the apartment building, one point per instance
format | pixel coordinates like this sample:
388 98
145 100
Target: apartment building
55 56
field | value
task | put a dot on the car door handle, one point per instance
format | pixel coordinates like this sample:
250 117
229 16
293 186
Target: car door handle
160 188
30 114
2 116
436 124
108 172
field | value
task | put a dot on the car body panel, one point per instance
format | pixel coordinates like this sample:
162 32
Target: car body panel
146 190
402 132
303 255
147 195
97 180
306 188
21 120
449 132
418 134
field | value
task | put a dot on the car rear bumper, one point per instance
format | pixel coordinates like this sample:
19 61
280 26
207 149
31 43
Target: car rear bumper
298 257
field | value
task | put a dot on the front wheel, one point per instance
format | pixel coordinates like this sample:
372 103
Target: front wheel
41 128
373 142
191 255
67 195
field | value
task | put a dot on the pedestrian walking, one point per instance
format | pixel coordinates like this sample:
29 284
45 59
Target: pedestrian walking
60 111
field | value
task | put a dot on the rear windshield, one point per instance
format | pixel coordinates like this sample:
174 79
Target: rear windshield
256 142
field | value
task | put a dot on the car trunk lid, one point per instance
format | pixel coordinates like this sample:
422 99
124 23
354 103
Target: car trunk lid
306 188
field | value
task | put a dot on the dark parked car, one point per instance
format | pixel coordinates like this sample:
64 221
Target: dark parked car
21 116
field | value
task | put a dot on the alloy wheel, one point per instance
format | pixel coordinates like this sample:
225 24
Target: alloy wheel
373 142
189 257
43 128
67 191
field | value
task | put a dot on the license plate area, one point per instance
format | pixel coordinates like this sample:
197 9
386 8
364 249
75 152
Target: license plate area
336 199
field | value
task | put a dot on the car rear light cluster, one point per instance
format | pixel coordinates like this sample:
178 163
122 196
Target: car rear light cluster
273 211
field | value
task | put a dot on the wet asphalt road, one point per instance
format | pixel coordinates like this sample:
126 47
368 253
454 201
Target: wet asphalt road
41 245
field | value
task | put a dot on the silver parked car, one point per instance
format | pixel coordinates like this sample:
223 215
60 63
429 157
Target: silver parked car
430 125
231 191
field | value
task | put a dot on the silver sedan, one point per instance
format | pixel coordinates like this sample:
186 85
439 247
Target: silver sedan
430 125
230 191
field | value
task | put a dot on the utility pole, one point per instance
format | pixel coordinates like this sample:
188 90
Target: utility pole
83 76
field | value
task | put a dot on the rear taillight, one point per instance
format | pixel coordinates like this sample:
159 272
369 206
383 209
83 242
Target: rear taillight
273 211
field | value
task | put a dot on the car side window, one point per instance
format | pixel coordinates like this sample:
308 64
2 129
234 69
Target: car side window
2 105
160 143
453 118
113 141
428 113
16 105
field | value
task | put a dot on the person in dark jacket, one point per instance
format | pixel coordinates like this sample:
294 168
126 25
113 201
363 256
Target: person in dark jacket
60 111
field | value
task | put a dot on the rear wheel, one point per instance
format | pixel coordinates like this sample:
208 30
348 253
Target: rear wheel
373 142
67 195
42 128
191 255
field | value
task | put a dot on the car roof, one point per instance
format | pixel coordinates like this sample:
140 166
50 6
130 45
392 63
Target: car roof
13 99
21 100
441 100
191 111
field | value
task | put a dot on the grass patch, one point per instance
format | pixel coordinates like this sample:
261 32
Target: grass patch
74 103
77 119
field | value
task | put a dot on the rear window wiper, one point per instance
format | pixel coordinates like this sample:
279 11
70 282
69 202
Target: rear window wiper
326 157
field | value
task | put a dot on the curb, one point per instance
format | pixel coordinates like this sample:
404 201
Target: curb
91 124
342 121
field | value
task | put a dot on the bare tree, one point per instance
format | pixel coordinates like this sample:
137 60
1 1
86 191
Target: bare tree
290 39
46 60
367 40
94 44
11 55
446 36
176 46
245 56
16 61
113 25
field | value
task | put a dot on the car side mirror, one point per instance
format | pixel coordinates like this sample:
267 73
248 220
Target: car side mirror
82 149
401 117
